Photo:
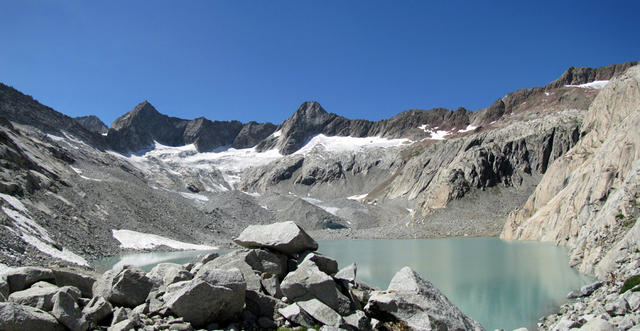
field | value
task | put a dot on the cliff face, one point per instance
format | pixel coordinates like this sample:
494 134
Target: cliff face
589 198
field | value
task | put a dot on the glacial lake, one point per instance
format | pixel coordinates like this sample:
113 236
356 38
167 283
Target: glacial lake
498 283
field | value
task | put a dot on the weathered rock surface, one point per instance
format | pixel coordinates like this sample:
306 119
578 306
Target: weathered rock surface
41 297
600 177
93 124
23 277
308 282
285 237
15 317
223 303
66 311
419 304
165 274
126 287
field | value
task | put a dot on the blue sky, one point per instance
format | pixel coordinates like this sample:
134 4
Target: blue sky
258 60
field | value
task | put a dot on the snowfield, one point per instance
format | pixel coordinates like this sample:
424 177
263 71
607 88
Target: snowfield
140 240
348 144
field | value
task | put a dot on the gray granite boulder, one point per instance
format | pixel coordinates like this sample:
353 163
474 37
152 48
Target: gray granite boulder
285 237
308 282
127 287
22 278
321 312
294 314
227 262
16 317
96 310
82 281
41 297
201 303
165 274
348 273
326 264
66 311
416 302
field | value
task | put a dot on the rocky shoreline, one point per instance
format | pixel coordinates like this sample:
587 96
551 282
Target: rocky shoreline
276 281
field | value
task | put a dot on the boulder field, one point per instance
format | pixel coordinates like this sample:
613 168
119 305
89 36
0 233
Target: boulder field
276 281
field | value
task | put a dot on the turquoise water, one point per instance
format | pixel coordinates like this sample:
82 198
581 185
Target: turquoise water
500 284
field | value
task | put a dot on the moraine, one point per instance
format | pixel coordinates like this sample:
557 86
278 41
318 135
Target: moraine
498 283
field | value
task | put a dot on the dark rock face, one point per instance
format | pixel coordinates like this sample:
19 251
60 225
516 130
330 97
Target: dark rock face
252 133
24 109
139 128
93 124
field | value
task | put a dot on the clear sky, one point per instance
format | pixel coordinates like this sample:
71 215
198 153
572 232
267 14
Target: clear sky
258 60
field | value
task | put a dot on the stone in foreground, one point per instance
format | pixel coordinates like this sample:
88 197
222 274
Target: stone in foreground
127 287
15 317
285 237
416 302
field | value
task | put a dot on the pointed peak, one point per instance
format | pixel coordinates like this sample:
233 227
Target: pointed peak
311 109
145 106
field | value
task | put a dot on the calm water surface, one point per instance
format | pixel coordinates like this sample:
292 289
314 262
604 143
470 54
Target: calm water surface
500 284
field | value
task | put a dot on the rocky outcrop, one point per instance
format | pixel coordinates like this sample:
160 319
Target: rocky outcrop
577 76
252 133
93 124
24 109
209 297
588 198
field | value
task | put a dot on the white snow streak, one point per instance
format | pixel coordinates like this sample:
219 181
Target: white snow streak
357 197
435 135
34 234
468 128
139 240
596 84
194 196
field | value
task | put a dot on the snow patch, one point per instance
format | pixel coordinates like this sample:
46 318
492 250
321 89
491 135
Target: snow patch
434 133
253 194
468 128
34 234
596 84
4 268
277 134
357 197
139 240
348 144
194 196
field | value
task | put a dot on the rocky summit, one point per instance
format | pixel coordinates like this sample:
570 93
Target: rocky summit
211 295
556 163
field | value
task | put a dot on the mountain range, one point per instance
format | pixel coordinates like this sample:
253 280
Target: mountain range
554 163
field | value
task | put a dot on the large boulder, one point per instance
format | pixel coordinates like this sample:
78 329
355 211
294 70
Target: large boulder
16 317
96 310
326 264
230 278
84 282
285 237
165 274
127 287
228 262
66 311
22 278
416 302
308 282
262 305
294 314
201 303
41 297
321 312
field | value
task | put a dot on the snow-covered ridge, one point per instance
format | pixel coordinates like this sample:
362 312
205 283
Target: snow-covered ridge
596 84
441 134
139 240
349 144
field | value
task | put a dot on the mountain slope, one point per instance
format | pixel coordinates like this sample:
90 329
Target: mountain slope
588 199
93 124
